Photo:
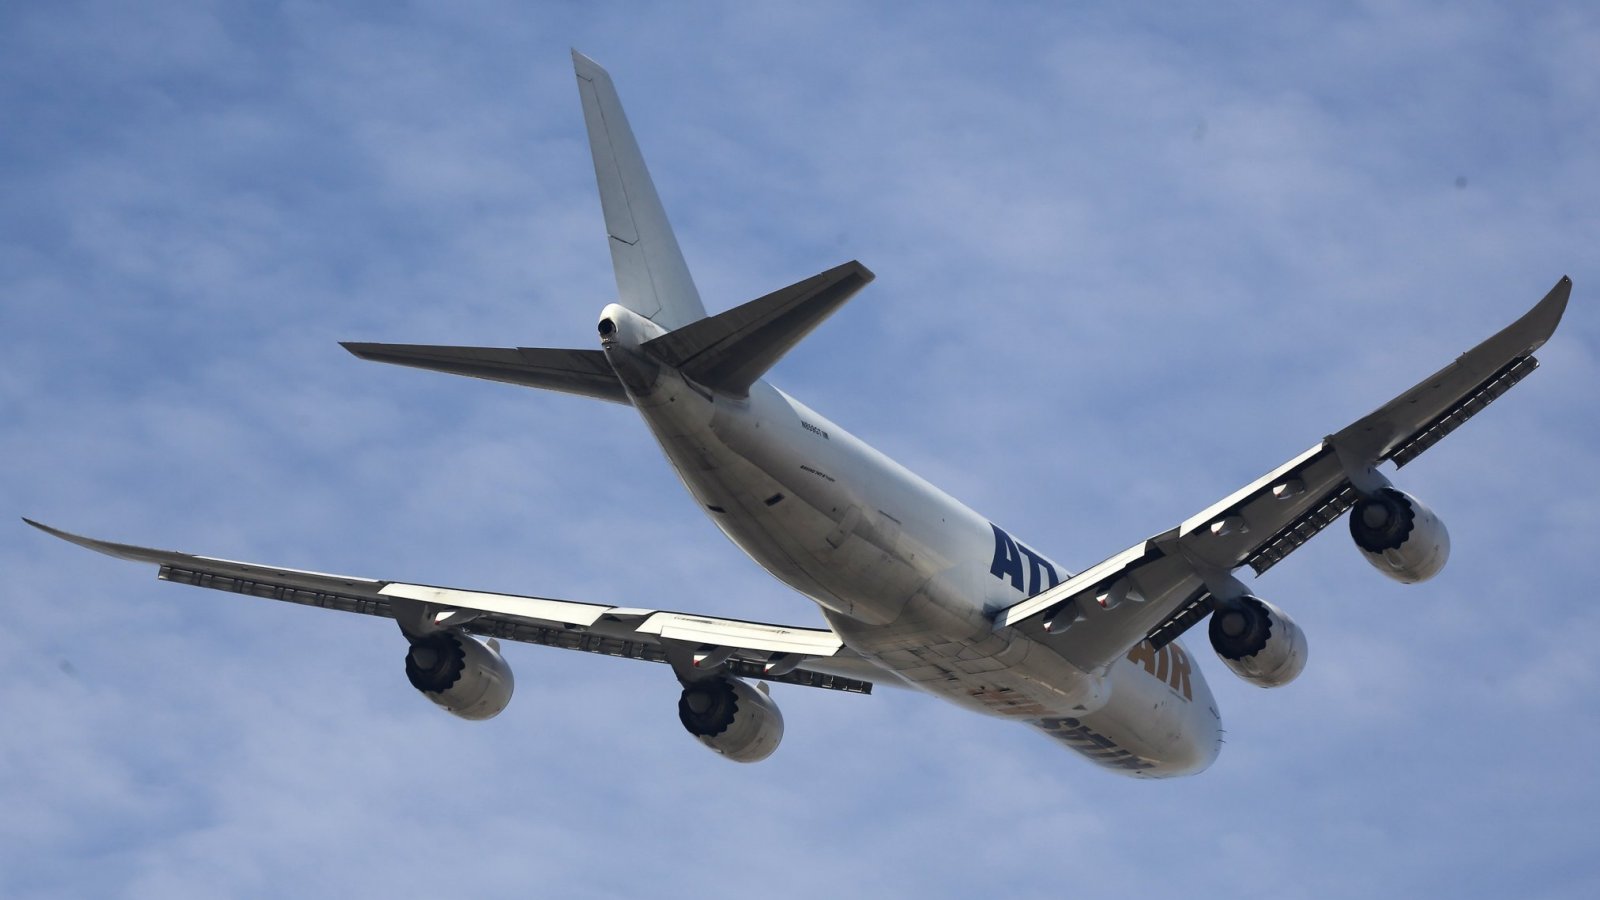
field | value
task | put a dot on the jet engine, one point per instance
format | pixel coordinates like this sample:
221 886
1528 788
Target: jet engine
1400 536
1258 641
465 676
731 717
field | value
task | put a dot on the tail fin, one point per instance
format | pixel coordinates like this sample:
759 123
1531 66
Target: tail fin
652 279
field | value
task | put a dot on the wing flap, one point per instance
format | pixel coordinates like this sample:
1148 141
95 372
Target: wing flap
751 635
1273 513
538 609
1454 417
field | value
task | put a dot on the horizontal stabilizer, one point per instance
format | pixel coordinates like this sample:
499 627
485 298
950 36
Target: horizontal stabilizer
583 372
730 351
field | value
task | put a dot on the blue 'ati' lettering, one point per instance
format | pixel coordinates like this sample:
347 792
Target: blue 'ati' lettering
1007 561
1007 565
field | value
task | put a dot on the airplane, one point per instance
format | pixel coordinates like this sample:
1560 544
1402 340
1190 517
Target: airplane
916 590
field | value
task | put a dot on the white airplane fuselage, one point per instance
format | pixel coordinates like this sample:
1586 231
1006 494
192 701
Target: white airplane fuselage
917 589
907 576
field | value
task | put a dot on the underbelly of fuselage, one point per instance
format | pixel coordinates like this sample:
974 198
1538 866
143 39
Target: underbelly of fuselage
799 496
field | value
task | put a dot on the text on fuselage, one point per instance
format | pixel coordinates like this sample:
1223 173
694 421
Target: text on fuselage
1037 576
1169 664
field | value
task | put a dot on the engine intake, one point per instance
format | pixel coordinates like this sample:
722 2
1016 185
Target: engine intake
1258 641
463 675
1399 535
731 717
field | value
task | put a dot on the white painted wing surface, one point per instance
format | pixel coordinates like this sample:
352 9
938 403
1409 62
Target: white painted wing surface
814 657
1158 588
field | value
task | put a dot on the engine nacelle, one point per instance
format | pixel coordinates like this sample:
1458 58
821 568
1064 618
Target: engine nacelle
1399 535
1258 641
732 718
463 675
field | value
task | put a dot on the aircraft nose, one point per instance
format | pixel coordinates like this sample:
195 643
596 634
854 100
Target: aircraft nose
1207 743
1191 757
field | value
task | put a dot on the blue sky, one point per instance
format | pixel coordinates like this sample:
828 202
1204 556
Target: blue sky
1128 260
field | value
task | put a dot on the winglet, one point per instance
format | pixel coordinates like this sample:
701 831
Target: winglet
1414 421
1539 323
120 551
732 350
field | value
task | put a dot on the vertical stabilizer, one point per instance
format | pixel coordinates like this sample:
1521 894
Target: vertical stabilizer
652 279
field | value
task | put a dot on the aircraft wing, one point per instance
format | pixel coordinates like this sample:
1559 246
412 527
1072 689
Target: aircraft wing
814 657
1160 587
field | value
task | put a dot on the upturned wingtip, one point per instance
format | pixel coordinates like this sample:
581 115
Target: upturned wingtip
67 536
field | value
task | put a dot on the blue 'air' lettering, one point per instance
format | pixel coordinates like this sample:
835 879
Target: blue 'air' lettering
1007 565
